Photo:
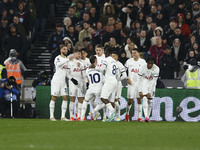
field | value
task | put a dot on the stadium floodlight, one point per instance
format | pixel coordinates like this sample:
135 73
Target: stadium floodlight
179 109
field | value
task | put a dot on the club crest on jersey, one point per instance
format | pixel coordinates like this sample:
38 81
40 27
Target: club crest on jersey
135 70
149 78
77 70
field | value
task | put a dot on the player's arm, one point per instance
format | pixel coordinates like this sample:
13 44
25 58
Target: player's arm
140 80
102 68
69 76
123 73
60 63
154 81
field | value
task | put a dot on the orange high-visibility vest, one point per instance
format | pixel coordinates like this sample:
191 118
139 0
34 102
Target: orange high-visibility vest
15 71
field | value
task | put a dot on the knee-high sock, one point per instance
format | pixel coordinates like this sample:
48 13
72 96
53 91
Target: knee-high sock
84 108
117 107
93 103
51 108
110 108
71 109
128 107
63 109
104 112
99 106
79 109
149 107
76 107
139 109
145 106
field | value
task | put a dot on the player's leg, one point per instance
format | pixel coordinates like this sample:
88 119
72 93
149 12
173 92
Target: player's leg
80 103
55 91
145 108
149 107
139 109
71 107
130 95
64 93
117 107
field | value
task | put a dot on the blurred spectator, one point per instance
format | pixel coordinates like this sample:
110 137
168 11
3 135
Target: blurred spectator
55 37
195 8
191 54
156 51
108 33
127 15
94 36
108 11
19 25
158 32
153 13
84 33
147 25
143 42
160 20
4 28
42 13
15 67
42 79
67 22
24 17
185 29
195 47
78 27
71 14
128 49
192 39
112 44
3 71
170 30
188 18
170 9
117 31
178 34
94 16
72 34
14 40
85 18
168 64
141 17
100 29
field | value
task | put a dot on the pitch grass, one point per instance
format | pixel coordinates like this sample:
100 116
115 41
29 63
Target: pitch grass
42 134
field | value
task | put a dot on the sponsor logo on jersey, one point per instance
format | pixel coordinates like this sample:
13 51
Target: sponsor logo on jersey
135 70
77 70
149 77
64 67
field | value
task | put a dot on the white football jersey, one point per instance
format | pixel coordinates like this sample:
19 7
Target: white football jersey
100 60
148 77
133 68
111 69
86 63
95 78
75 71
61 65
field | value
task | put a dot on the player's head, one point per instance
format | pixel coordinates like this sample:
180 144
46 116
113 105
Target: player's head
99 50
115 55
83 53
135 53
108 51
93 60
63 50
150 62
77 54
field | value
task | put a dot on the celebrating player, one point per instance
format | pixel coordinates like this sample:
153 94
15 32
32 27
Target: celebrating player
123 75
148 77
76 74
109 88
95 85
133 65
58 84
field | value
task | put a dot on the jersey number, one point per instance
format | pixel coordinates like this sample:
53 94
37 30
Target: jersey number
95 78
114 70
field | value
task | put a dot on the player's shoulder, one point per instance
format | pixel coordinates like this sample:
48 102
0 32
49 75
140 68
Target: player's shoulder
156 68
120 65
142 61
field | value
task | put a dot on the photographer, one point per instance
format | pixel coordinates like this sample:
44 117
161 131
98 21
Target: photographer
9 92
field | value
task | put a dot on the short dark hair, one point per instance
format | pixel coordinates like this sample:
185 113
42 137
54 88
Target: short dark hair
99 46
115 52
76 51
108 51
92 59
136 49
150 58
59 25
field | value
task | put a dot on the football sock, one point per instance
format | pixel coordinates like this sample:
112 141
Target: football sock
99 106
51 108
76 108
84 107
145 106
110 108
104 112
139 109
71 109
149 107
128 109
63 108
117 109
79 109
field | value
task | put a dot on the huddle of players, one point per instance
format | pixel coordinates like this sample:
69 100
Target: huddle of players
104 73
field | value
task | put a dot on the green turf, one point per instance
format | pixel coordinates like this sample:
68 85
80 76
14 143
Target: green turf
42 134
